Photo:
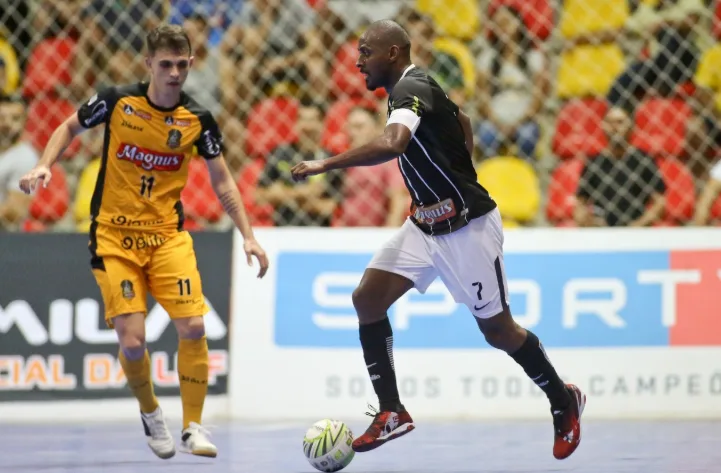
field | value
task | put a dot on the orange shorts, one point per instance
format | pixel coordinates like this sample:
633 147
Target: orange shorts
130 265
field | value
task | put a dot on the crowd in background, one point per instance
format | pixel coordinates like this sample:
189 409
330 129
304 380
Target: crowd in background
586 112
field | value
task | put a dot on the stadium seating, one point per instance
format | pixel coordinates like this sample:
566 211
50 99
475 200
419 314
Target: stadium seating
271 122
590 16
680 191
460 18
462 54
12 67
49 67
561 197
43 117
513 184
50 203
589 70
200 204
661 126
537 15
334 138
578 130
260 215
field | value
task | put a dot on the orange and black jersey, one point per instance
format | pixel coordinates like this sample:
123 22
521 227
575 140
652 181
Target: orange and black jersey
146 152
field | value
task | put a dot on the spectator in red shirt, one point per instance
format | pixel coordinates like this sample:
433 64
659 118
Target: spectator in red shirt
373 196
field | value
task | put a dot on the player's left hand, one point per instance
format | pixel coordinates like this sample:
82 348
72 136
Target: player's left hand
252 248
307 168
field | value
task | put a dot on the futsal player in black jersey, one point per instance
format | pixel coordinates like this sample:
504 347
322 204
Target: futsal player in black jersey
454 232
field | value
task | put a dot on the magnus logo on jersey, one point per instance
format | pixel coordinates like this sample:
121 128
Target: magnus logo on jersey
148 159
439 212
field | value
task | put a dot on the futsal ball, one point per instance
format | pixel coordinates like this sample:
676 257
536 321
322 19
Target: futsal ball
327 445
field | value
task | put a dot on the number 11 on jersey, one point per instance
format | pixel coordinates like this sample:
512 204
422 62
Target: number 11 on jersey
146 185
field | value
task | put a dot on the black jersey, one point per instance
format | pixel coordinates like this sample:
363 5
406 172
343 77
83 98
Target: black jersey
436 166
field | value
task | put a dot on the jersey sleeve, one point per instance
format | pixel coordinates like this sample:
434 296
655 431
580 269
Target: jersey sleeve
210 141
408 102
98 108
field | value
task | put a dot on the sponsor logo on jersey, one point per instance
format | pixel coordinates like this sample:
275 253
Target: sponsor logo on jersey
143 114
431 214
122 220
148 159
169 121
127 124
174 137
128 109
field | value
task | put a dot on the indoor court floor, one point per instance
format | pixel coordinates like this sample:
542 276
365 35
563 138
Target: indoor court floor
606 447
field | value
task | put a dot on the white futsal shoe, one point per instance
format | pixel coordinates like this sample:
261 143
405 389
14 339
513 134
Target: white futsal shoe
160 440
195 441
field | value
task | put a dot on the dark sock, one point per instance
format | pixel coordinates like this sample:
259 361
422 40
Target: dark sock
532 358
377 342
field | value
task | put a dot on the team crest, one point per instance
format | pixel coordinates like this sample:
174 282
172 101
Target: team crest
174 137
169 120
128 110
127 288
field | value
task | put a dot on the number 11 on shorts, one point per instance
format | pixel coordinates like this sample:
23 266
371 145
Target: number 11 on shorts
184 287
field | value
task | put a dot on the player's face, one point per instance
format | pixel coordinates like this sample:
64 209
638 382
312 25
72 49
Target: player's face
372 63
169 69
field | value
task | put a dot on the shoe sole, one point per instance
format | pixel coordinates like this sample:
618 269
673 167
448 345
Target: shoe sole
200 453
400 432
163 456
581 407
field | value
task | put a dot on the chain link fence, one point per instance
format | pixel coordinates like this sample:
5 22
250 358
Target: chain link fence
585 112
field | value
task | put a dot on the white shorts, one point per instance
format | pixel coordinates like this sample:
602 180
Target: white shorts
469 261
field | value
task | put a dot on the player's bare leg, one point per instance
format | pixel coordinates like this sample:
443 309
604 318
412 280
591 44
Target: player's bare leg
378 290
193 374
135 361
567 401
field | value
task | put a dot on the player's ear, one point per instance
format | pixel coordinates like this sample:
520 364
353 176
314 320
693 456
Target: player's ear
393 52
147 61
191 59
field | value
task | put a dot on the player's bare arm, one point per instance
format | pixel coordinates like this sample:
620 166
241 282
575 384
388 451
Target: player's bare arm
229 197
59 141
391 144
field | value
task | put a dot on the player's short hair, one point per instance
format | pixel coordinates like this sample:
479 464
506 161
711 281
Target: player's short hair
168 37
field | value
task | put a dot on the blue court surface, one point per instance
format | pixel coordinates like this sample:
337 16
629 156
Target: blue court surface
606 447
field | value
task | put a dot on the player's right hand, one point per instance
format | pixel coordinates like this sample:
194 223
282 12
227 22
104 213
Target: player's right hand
29 181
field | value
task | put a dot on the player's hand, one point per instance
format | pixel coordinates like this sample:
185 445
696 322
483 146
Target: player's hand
252 248
307 168
39 174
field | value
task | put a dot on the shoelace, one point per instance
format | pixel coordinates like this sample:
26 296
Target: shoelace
197 428
378 424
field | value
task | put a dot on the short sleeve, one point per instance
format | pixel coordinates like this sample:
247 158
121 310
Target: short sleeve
98 108
210 141
411 94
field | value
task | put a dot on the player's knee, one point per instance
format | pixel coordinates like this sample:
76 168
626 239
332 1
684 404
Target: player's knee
502 332
365 304
191 328
133 345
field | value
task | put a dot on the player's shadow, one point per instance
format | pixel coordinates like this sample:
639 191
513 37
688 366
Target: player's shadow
92 466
